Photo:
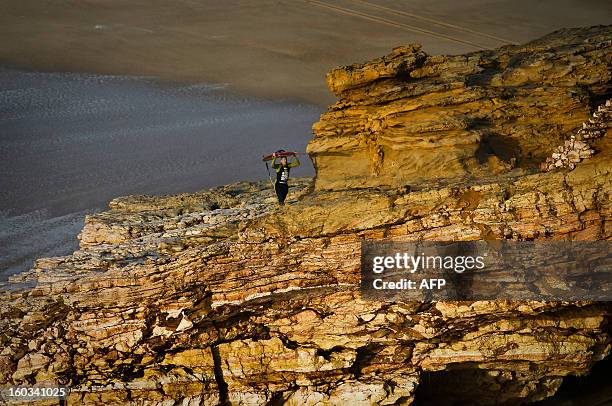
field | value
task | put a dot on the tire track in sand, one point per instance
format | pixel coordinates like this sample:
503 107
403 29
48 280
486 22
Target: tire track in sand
407 27
437 22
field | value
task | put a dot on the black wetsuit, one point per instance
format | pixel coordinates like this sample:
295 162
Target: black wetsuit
281 187
282 176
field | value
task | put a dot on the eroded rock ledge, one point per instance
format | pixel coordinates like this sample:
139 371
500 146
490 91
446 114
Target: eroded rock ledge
409 117
221 297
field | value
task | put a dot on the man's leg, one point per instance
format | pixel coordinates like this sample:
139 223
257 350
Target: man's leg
281 191
277 190
280 194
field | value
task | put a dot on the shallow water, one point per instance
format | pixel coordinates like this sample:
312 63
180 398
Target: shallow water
69 143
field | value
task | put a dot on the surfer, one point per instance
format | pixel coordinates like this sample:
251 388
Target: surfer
282 169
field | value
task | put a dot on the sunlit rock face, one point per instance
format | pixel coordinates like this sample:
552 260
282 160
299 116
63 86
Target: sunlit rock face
222 297
409 117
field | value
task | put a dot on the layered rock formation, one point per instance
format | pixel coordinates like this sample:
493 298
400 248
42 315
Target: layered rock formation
221 297
408 117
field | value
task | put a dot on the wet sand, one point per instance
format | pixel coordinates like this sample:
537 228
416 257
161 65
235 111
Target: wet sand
265 48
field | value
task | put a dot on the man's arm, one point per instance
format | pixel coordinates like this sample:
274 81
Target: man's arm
295 162
274 164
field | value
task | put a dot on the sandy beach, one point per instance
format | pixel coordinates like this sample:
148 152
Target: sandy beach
265 48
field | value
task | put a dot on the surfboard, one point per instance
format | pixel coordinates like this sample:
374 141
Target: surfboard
278 155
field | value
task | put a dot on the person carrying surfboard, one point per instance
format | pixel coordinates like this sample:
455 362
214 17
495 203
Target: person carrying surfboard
281 187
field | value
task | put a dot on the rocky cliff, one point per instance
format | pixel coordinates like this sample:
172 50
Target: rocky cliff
221 297
409 117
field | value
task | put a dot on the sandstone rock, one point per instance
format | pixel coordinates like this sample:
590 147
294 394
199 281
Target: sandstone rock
30 364
409 117
282 318
401 61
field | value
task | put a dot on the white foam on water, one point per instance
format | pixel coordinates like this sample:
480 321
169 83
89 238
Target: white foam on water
36 234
